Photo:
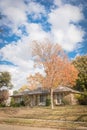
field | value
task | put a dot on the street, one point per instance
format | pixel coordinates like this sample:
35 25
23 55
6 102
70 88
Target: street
16 127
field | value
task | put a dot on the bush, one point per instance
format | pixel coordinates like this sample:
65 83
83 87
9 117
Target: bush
48 102
2 105
16 105
65 102
82 99
22 103
13 104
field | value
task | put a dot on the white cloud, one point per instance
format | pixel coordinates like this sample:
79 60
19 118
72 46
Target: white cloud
17 53
36 32
58 2
64 30
19 76
63 21
65 14
16 13
13 12
36 9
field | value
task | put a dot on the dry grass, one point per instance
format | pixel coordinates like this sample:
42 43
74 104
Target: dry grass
59 117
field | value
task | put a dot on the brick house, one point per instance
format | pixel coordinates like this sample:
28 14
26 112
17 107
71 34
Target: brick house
37 97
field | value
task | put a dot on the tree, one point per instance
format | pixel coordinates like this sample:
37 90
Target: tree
58 70
4 94
15 92
5 80
81 64
81 84
24 87
26 100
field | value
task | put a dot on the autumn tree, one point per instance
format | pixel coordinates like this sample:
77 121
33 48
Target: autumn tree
58 70
23 88
4 94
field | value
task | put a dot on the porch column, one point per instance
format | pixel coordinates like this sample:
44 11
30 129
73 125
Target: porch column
33 99
38 99
55 99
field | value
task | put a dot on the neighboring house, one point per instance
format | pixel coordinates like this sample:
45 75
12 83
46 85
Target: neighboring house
61 95
9 99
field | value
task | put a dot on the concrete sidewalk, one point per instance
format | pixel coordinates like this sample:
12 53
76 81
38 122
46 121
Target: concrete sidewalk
15 127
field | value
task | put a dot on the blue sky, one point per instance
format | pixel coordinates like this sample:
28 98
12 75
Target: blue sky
61 21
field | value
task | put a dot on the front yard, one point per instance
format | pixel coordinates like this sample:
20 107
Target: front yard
66 117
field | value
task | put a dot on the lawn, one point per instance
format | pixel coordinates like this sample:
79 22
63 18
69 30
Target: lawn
60 117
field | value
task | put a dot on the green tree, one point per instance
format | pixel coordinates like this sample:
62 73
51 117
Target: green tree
5 80
81 64
81 84
15 92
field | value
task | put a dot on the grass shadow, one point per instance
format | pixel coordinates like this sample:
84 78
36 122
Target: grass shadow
82 118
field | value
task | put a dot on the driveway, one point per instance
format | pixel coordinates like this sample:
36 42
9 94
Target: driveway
15 127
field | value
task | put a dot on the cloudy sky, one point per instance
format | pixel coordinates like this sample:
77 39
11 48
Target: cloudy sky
22 21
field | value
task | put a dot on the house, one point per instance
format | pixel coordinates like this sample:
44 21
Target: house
37 97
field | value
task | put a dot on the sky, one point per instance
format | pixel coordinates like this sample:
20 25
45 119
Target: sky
22 21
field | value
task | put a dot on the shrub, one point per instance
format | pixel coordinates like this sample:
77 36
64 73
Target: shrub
22 103
2 105
82 99
12 103
17 105
48 102
65 101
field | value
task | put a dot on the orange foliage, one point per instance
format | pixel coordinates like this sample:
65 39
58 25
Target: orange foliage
24 87
34 81
59 71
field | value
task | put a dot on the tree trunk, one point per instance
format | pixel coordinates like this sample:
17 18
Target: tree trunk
51 97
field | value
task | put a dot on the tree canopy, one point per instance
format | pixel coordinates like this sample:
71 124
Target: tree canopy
23 88
4 95
5 80
58 69
81 64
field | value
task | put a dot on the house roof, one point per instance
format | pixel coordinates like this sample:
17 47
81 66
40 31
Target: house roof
40 90
65 89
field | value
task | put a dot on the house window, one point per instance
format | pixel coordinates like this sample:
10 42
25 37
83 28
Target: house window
41 98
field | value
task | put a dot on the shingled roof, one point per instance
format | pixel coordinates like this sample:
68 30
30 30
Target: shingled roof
40 90
65 89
